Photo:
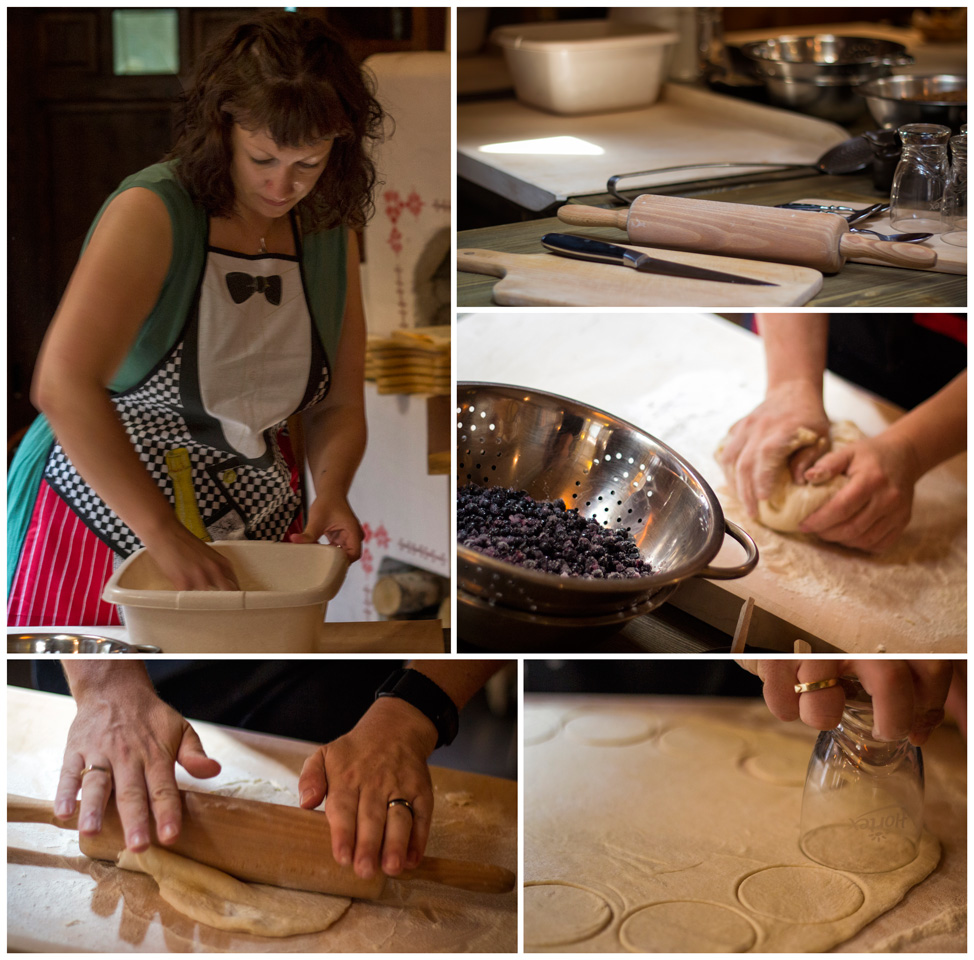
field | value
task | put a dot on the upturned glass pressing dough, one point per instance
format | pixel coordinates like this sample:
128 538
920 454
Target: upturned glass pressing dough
862 809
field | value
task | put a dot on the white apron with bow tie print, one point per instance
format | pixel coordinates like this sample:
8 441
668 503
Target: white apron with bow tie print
213 413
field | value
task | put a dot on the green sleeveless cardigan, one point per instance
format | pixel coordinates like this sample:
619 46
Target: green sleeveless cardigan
323 263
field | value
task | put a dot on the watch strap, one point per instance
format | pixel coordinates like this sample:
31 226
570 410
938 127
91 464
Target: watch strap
426 696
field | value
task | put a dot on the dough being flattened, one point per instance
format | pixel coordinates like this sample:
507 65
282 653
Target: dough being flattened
790 503
215 898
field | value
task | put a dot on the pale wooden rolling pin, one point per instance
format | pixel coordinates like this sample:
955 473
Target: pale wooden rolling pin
264 843
818 240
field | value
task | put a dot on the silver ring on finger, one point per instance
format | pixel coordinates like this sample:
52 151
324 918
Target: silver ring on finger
92 767
402 802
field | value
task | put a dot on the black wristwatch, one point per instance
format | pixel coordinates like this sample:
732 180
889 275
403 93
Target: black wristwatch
426 696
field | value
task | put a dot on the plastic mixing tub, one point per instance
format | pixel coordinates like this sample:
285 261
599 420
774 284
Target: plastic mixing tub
279 608
586 66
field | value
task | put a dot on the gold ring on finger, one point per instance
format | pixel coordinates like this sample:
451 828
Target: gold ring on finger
91 767
401 802
816 685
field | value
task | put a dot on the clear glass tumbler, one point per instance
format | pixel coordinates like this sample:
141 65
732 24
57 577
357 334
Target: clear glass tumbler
954 209
920 178
862 809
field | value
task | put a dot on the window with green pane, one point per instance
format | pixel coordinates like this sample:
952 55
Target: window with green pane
145 41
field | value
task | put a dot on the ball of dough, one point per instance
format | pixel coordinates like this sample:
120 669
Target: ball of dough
790 503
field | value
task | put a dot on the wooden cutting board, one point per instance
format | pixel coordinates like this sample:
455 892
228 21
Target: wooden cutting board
950 259
686 378
60 901
549 280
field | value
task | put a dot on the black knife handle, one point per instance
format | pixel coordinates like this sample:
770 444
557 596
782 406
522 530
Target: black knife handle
584 248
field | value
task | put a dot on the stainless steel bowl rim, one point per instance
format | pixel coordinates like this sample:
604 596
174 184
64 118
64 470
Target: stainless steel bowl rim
876 88
885 49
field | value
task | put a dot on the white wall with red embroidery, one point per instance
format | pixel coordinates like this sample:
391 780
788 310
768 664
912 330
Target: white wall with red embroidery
405 511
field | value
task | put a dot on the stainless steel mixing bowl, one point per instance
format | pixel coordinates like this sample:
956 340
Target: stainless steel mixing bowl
894 101
611 471
62 643
818 74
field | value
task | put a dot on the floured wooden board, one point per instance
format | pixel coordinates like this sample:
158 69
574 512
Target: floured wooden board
59 901
660 824
686 378
950 258
535 158
546 279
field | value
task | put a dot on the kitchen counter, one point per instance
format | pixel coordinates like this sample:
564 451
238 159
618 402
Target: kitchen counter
379 636
931 918
855 285
60 901
686 378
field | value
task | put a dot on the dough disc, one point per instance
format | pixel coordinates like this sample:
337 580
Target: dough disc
560 913
540 724
790 503
686 926
215 898
611 729
800 894
704 743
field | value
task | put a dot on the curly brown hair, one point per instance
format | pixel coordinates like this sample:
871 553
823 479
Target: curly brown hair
291 75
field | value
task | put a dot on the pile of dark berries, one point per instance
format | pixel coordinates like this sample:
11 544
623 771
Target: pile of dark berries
543 535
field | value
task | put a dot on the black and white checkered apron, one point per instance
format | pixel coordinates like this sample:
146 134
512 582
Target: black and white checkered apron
248 357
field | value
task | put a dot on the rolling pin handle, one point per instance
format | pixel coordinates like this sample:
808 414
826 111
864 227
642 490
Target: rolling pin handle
582 216
750 561
910 255
468 875
31 810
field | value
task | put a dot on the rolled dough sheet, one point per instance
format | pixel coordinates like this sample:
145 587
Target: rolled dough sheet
685 841
215 898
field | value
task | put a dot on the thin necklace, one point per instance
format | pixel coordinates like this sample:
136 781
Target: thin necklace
263 246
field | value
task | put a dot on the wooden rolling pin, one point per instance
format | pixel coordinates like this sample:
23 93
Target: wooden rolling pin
746 230
264 843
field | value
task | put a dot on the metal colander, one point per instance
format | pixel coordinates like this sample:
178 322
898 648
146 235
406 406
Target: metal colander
552 447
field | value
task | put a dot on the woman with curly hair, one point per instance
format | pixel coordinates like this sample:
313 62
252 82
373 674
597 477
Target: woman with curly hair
216 296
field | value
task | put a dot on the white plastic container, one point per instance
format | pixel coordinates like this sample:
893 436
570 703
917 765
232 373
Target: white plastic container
586 66
279 608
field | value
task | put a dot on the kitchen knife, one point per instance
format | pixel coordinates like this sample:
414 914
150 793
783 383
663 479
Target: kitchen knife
585 248
747 230
264 843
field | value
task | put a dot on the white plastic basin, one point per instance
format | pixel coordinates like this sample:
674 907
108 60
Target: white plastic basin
279 608
586 66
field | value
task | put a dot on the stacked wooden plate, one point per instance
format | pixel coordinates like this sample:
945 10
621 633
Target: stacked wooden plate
410 361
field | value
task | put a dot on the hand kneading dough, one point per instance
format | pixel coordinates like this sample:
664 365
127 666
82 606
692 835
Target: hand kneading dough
215 898
790 503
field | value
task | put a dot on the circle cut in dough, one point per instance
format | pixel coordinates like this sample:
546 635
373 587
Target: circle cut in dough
540 724
558 913
782 769
686 926
800 894
790 503
616 728
703 743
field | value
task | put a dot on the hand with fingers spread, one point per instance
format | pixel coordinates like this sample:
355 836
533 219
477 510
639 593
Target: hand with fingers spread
124 738
908 695
376 779
366 775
